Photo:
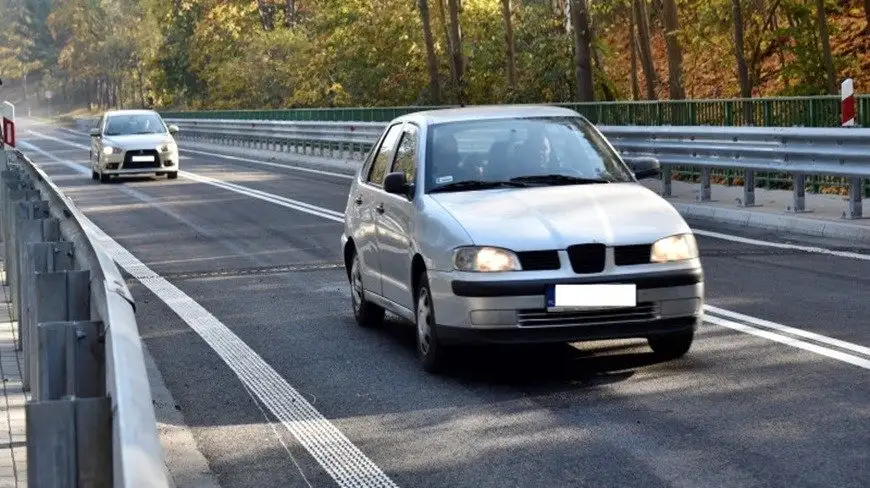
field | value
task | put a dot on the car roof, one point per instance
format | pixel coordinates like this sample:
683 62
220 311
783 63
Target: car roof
130 112
482 112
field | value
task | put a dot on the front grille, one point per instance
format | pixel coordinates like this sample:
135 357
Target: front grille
130 164
541 318
635 254
587 258
539 260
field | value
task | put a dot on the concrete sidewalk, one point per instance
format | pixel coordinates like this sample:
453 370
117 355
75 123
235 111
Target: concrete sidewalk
824 216
13 447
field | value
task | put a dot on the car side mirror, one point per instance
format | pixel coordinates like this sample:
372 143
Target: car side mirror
645 167
95 132
173 129
396 184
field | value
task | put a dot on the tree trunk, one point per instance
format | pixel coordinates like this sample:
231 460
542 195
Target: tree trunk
290 13
644 43
826 47
675 50
267 17
510 47
742 70
583 56
632 45
141 87
456 49
867 12
442 17
431 60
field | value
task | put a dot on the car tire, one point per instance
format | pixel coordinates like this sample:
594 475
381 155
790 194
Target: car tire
672 346
432 354
366 313
172 176
94 175
104 178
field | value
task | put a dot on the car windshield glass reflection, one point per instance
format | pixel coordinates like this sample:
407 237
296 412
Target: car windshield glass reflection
124 125
519 152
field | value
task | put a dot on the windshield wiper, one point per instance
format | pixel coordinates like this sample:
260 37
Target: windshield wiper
477 185
556 179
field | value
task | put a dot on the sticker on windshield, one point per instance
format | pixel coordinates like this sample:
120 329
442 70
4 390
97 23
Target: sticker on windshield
443 179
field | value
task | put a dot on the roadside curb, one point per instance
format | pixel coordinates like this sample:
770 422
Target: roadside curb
768 221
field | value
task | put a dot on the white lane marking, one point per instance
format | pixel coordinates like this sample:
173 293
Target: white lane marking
789 330
780 245
245 160
790 341
260 195
344 462
267 163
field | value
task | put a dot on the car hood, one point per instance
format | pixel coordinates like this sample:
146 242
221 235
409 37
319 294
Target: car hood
138 141
556 217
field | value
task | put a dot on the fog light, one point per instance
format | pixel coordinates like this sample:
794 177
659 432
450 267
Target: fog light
167 163
112 166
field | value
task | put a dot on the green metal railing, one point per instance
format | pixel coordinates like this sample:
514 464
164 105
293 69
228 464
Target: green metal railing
821 111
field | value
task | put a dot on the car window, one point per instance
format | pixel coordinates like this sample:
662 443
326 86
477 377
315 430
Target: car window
406 153
130 124
526 148
382 158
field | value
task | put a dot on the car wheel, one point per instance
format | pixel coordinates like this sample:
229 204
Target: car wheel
430 350
104 178
173 175
366 313
672 346
94 175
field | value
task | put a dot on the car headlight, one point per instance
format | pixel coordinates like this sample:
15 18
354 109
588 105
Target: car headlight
674 248
165 148
112 150
485 259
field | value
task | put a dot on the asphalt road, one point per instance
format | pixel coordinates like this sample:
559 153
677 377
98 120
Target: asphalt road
740 410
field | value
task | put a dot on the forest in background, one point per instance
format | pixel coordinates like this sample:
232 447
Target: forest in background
232 54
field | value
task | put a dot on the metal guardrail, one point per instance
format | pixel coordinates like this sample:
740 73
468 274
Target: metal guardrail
90 419
831 152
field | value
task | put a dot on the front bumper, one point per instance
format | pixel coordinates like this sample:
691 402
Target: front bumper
477 309
122 164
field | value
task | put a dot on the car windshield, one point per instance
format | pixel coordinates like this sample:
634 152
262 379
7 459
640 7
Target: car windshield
129 124
517 152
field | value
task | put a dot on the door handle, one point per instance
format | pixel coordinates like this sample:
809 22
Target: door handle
380 208
358 200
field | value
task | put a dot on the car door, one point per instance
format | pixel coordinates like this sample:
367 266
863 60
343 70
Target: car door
366 198
395 221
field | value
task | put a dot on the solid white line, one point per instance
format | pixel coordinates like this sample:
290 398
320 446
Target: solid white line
260 195
344 462
789 330
266 163
780 245
790 341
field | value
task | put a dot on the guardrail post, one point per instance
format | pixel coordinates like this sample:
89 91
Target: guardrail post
30 229
799 193
666 180
705 192
41 258
12 272
856 197
749 189
60 297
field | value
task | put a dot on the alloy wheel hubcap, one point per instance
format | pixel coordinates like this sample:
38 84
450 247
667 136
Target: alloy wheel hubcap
423 326
356 286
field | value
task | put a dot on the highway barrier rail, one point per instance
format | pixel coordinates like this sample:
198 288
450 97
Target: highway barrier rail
90 419
839 156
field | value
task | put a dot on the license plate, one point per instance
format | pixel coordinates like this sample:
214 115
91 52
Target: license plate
143 159
590 297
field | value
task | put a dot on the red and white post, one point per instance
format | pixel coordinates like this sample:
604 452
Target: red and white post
8 125
847 102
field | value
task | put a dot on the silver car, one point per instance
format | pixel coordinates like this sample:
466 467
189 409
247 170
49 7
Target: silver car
133 142
517 224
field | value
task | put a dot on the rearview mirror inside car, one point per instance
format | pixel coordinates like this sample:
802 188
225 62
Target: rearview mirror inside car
95 132
396 184
173 129
644 167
